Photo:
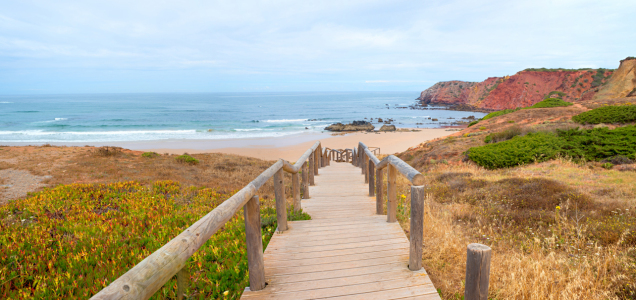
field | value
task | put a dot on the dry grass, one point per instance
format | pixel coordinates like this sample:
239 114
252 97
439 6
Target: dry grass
223 172
584 249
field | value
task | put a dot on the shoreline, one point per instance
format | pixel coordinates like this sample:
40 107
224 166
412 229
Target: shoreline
290 148
286 147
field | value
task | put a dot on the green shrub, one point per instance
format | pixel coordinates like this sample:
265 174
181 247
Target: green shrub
607 165
150 154
187 159
551 102
473 123
599 143
482 128
608 114
540 146
592 144
499 113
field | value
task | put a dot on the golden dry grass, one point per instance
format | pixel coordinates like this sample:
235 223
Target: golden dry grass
583 251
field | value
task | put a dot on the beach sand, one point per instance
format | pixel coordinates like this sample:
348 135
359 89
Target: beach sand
292 147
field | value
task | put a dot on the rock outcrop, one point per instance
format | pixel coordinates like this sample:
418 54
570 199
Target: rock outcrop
623 81
387 128
355 126
522 89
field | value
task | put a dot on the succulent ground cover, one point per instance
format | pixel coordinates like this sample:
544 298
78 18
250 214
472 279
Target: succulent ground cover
73 240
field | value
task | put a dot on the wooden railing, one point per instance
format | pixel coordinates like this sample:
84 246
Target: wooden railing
148 276
373 170
477 255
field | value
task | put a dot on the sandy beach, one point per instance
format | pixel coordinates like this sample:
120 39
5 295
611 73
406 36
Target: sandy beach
292 147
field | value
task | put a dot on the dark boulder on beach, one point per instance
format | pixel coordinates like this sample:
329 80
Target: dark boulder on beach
354 126
387 128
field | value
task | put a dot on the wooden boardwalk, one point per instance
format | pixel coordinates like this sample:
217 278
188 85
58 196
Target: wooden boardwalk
346 251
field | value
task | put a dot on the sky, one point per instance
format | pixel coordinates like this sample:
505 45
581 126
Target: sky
52 47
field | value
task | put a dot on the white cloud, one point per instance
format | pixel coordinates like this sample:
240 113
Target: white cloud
310 44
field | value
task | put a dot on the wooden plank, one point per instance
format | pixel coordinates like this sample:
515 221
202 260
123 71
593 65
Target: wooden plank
275 271
361 289
292 256
333 274
280 287
342 246
334 259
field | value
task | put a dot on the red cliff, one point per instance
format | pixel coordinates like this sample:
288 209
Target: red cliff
522 89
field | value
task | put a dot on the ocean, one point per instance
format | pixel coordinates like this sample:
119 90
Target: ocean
85 118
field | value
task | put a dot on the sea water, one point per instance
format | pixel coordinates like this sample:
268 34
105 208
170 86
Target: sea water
200 116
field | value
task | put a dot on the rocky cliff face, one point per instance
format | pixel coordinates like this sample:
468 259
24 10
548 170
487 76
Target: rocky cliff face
623 82
522 89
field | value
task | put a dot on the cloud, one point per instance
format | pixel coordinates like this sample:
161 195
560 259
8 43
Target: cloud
300 45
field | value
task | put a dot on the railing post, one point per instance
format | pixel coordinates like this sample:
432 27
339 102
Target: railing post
391 195
379 195
371 172
323 158
254 244
316 161
182 282
353 158
281 203
365 166
477 272
305 171
417 227
311 169
296 191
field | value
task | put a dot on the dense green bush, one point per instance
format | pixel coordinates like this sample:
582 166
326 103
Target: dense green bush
608 114
598 143
592 144
540 146
550 102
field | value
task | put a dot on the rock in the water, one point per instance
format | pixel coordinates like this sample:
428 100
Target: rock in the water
355 126
387 128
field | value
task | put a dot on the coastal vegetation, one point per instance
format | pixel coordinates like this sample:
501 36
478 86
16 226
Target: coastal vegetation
613 114
73 240
546 103
187 159
587 144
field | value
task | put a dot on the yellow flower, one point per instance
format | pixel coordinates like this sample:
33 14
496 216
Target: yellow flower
226 293
558 207
403 196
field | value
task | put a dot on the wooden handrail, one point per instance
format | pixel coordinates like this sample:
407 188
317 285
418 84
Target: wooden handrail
414 176
372 168
148 276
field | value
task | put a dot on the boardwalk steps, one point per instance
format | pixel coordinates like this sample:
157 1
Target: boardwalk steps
346 251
